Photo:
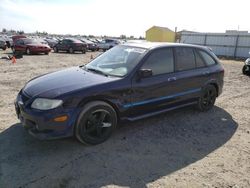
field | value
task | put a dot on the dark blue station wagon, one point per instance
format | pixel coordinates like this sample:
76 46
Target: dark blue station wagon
128 82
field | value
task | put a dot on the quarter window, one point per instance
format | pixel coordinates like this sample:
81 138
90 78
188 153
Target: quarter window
185 59
160 61
199 61
208 59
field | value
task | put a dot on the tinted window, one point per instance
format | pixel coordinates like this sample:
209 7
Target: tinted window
64 41
185 59
160 61
208 59
19 42
199 61
108 41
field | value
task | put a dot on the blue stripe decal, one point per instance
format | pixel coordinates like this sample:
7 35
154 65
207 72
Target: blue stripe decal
161 98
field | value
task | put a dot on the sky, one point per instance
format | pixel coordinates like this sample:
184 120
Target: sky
127 17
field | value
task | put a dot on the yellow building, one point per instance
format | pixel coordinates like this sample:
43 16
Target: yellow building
160 34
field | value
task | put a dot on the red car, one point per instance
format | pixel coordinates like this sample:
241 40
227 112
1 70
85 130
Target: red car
30 46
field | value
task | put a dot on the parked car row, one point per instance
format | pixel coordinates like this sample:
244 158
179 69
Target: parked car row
31 45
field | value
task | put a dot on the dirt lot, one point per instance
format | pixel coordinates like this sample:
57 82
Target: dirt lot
183 148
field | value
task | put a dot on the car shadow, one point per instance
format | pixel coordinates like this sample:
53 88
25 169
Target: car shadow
138 153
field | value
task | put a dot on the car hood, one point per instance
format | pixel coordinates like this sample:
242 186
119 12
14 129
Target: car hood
58 83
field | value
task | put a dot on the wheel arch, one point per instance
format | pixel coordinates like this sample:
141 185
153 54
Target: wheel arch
96 99
213 83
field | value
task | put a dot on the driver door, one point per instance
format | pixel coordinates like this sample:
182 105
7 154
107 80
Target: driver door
152 93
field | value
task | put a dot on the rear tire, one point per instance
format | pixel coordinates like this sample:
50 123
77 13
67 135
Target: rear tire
207 98
95 123
55 49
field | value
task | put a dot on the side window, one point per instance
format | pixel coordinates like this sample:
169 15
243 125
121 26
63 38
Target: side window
19 42
208 59
185 59
198 59
160 61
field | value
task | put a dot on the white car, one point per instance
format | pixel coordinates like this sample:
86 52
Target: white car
246 67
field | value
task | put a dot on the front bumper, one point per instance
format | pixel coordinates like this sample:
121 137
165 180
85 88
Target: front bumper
41 124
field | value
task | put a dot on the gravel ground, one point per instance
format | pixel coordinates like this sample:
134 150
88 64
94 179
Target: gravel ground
182 148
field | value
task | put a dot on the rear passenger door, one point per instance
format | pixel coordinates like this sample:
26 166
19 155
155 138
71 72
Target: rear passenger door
191 74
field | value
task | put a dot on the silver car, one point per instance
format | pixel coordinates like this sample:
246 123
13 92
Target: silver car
107 44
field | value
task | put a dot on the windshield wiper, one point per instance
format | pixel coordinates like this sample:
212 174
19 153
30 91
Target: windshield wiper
96 71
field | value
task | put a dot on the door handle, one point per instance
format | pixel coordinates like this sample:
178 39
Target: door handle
206 73
171 79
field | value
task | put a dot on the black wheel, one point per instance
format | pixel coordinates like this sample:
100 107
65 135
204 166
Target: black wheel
246 70
207 99
84 51
55 49
96 123
71 50
46 53
28 51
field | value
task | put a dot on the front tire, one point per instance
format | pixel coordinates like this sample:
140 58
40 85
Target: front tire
71 50
245 70
28 51
96 123
207 98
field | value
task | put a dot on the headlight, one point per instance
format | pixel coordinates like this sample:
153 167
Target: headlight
247 61
45 104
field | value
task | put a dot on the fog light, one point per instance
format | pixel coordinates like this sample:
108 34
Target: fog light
61 118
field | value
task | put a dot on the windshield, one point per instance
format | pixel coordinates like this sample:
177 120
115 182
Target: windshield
118 61
31 41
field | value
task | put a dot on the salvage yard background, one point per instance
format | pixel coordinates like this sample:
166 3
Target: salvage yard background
183 148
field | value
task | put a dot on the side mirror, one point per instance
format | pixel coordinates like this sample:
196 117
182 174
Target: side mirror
145 73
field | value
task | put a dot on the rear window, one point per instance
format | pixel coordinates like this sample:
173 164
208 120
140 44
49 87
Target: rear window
185 59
